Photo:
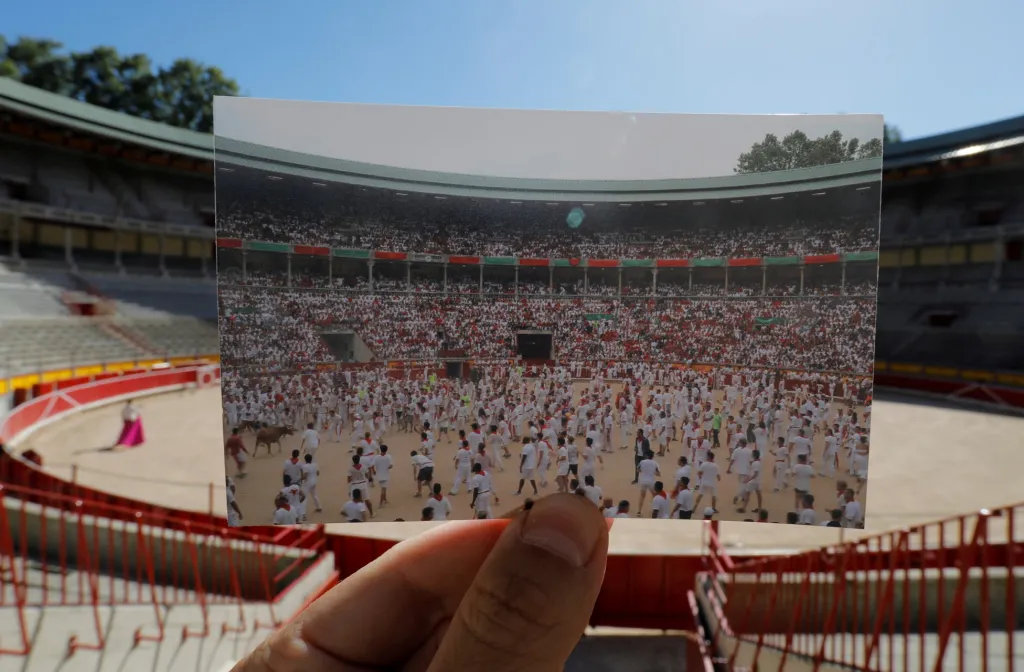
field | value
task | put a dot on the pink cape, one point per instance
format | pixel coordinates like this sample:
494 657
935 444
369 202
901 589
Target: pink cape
131 434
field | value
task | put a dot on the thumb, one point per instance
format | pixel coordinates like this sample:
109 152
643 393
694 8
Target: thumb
533 596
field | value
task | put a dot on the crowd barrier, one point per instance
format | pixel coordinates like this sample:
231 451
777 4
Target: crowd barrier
639 591
939 596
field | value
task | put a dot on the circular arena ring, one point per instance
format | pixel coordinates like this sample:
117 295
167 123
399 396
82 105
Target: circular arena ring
142 535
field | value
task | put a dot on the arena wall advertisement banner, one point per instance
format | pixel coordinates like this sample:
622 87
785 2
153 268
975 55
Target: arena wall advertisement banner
668 316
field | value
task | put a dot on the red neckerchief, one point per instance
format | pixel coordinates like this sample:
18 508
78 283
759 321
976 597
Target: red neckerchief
439 497
359 466
286 507
295 460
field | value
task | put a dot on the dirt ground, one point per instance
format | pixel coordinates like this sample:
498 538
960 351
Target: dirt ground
921 469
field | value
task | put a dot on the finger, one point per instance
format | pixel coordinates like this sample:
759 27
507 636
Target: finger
383 613
533 597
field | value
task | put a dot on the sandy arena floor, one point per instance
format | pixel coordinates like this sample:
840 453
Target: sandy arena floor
922 468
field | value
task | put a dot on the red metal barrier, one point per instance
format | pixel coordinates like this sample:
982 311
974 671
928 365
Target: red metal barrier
840 604
106 556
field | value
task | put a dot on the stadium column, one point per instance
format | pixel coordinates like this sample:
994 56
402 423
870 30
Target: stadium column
654 274
408 276
620 283
586 281
15 236
288 260
689 281
481 276
842 279
764 280
69 256
551 279
727 277
245 272
802 268
117 252
369 265
444 277
516 281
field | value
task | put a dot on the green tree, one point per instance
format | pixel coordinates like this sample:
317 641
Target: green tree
179 95
892 135
797 150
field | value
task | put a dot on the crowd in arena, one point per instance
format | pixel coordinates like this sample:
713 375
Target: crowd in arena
281 328
541 240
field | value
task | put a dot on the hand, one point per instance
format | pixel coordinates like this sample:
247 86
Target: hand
483 595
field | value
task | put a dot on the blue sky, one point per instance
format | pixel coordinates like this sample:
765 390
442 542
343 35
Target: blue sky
929 66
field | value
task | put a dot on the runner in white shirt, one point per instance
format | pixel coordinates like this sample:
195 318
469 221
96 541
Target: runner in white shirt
382 464
830 458
439 503
463 461
310 440
591 491
802 475
589 457
310 473
284 514
527 466
647 475
355 510
292 468
480 483
358 481
562 467
739 464
753 484
684 500
709 475
660 507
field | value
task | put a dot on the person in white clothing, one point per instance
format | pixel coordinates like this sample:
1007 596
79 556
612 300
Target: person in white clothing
527 466
802 475
684 500
382 464
310 440
310 473
647 474
660 507
439 503
284 514
739 464
589 457
562 466
709 475
480 483
463 462
355 510
591 491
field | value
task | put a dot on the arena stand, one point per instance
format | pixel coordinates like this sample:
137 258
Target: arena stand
945 253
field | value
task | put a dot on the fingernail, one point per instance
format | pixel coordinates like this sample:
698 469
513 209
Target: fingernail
564 526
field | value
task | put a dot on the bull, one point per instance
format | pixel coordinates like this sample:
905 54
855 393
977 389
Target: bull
265 436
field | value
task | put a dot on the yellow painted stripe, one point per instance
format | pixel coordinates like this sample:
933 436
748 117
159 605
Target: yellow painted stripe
1010 379
906 368
977 375
60 374
150 363
941 371
880 366
19 382
120 366
3 387
88 370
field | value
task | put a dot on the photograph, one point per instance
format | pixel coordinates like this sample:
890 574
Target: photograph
431 314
